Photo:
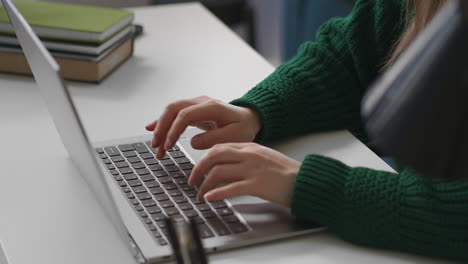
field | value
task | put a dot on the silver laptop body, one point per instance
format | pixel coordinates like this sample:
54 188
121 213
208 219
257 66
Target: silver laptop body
263 221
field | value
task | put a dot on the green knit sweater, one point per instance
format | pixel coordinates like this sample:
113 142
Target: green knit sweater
321 89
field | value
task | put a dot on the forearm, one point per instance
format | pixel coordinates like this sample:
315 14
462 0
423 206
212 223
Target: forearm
404 211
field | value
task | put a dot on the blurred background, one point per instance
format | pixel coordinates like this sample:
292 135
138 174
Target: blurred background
275 28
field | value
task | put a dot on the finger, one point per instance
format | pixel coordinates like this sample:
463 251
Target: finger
217 136
220 154
235 189
218 175
151 126
160 152
210 111
165 121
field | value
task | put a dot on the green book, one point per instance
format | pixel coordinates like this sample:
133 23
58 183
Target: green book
69 22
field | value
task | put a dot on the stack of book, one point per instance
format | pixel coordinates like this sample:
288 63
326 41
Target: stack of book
87 42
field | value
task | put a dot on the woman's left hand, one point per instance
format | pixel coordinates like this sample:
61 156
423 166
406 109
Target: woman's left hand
236 169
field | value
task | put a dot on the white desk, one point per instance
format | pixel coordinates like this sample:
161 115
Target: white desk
185 52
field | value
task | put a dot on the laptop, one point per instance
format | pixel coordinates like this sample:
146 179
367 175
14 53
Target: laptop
136 191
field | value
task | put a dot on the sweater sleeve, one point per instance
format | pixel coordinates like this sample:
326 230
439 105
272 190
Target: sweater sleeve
405 211
321 87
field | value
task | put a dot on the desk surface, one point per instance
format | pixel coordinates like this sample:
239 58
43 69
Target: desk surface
184 52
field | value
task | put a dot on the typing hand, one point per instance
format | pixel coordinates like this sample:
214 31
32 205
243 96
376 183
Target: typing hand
236 169
221 121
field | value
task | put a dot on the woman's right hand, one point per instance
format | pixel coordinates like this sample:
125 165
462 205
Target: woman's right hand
223 123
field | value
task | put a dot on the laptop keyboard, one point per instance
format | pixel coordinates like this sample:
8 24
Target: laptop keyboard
158 189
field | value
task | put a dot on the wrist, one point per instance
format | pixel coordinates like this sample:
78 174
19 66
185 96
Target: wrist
255 123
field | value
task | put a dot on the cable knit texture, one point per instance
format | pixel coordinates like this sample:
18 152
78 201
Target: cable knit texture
321 89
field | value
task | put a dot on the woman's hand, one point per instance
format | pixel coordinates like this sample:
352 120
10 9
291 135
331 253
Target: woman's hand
223 123
236 169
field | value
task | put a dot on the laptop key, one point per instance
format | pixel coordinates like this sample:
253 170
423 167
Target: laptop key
138 207
126 147
134 201
130 195
181 181
130 176
118 158
190 213
164 180
177 154
155 166
144 196
107 161
218 226
161 224
172 168
152 184
231 219
148 203
126 170
154 210
148 221
186 166
143 215
187 188
182 160
122 184
126 190
156 234
203 207
160 173
157 190
165 157
122 164
146 156
134 160
208 214
152 227
196 202
138 166
167 162
224 211
191 194
99 150
139 189
166 204
147 178
198 220
130 154
174 193
112 151
176 174
110 167
218 204
205 231
170 186
171 211
238 228
158 216
142 171
140 147
180 199
151 161
118 177
185 206
162 242
134 183
161 197
114 172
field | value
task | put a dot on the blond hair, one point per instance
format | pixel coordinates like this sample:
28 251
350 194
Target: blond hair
418 14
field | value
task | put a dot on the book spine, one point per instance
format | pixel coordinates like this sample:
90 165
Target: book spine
72 69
